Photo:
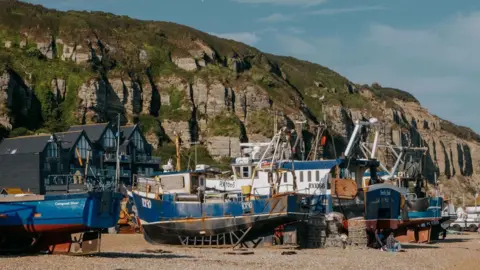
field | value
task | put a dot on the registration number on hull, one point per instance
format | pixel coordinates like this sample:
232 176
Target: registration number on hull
146 203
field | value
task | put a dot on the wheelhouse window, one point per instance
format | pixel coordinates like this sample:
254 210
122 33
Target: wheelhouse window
53 150
301 176
109 139
317 176
245 172
84 149
285 177
309 175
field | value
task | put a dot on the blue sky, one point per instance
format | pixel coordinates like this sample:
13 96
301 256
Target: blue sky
429 47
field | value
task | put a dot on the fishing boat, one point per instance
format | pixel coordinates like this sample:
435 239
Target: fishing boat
423 217
254 168
48 223
45 223
372 202
174 209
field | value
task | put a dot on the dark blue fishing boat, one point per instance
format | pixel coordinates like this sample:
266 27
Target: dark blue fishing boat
174 209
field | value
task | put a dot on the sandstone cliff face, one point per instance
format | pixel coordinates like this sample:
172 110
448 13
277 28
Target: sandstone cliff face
171 78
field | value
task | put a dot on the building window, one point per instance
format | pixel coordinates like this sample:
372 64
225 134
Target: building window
309 176
138 141
83 148
52 150
109 140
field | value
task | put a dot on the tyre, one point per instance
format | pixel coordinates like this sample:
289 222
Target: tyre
472 228
456 227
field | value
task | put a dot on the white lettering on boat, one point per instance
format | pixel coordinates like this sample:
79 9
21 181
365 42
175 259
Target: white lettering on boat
385 192
247 205
65 203
146 203
317 185
227 184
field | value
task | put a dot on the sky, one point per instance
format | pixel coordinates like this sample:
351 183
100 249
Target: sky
430 48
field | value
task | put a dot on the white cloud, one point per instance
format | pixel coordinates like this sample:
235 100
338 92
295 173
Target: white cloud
285 2
439 63
244 37
277 17
333 11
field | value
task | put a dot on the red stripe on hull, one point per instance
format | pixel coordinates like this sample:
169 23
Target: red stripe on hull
71 228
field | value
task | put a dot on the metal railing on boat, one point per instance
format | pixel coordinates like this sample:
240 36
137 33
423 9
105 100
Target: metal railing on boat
152 188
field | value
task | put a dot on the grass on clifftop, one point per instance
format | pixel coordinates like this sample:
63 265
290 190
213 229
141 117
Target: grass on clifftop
460 131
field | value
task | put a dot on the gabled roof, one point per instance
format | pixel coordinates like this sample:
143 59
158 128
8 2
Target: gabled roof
25 144
93 131
69 139
127 131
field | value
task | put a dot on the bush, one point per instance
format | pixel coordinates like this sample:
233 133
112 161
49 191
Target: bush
21 131
224 124
460 131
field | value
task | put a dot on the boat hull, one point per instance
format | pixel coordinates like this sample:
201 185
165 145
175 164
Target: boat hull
165 221
60 213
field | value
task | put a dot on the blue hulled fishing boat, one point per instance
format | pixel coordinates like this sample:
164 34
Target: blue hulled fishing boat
46 222
174 209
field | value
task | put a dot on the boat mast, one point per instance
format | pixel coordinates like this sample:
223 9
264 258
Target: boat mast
177 146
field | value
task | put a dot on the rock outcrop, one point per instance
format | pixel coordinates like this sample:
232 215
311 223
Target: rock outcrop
172 78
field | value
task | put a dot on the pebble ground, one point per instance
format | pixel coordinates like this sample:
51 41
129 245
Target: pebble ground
131 252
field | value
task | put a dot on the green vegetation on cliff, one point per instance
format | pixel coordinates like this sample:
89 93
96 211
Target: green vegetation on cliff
121 47
460 131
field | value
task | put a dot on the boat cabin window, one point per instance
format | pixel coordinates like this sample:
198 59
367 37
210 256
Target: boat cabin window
317 176
285 177
309 173
171 182
245 172
194 183
301 176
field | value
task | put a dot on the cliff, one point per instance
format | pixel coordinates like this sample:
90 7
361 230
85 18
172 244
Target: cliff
64 68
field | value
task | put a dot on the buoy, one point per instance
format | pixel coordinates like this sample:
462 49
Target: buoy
324 141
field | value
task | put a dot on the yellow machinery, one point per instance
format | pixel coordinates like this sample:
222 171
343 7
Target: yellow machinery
127 220
11 191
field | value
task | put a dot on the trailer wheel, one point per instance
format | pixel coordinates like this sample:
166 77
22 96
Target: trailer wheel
456 227
472 228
